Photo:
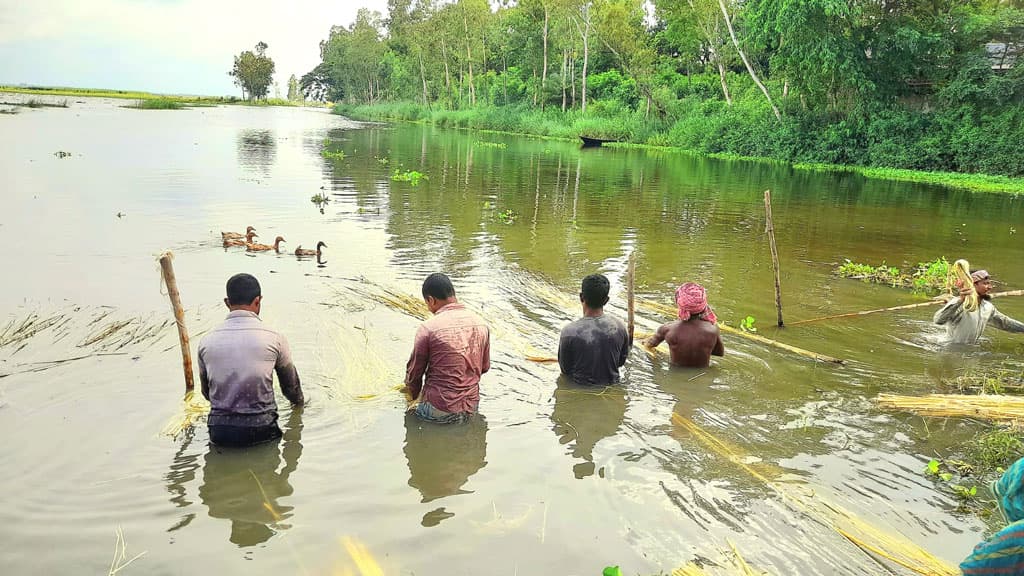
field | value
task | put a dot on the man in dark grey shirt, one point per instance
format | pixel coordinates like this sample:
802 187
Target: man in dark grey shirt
237 361
592 349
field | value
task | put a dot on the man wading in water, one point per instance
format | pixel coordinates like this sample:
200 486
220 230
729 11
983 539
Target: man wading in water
694 338
965 326
452 349
236 365
591 349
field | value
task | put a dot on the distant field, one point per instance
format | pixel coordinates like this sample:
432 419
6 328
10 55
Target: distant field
146 96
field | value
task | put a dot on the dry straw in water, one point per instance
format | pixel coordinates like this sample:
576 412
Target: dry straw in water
986 406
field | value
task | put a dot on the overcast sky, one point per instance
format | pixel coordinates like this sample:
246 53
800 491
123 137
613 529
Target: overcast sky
168 46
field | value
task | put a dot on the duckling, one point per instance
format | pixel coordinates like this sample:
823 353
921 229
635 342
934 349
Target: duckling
253 247
299 251
236 235
240 241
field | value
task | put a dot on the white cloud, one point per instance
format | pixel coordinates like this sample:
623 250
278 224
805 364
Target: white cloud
211 31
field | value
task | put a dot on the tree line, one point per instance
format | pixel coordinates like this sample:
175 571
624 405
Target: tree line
904 83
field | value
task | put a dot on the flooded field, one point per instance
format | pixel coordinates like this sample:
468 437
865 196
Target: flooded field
766 451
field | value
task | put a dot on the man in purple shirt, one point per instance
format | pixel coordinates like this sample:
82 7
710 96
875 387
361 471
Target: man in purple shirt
236 365
452 349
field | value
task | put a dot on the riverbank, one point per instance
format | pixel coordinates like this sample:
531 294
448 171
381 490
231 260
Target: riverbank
168 100
633 131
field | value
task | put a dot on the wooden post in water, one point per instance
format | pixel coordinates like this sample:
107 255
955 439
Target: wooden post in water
630 294
179 316
769 229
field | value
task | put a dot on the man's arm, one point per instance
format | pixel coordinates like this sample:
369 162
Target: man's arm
719 349
658 337
287 375
417 364
950 313
565 359
485 363
204 380
1004 322
627 344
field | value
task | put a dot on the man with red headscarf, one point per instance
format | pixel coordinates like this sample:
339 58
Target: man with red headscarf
694 338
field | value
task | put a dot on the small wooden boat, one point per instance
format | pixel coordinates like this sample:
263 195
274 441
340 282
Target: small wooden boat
589 142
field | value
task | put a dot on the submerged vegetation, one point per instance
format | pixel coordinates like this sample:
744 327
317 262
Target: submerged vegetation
411 176
158 104
926 277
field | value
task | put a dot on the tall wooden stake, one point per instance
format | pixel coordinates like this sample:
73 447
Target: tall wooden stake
630 284
179 316
769 229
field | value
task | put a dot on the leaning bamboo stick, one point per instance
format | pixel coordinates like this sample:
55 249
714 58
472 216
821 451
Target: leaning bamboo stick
179 316
769 229
630 295
903 307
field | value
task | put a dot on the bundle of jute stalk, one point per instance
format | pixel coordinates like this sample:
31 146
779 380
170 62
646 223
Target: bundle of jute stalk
984 406
960 278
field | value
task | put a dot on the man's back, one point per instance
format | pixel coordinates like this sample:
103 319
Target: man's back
692 342
453 348
591 350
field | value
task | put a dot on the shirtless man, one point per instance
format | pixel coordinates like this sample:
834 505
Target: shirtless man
694 338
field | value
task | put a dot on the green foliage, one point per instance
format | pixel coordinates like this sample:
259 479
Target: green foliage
926 277
997 449
158 104
747 324
319 199
253 72
507 216
411 176
333 154
484 144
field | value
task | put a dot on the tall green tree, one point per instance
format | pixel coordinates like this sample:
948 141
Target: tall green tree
253 72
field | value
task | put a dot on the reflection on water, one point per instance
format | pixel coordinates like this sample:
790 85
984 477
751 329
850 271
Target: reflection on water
442 458
257 150
583 416
244 485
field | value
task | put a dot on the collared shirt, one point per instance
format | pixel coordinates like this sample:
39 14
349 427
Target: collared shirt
236 365
966 327
591 349
453 349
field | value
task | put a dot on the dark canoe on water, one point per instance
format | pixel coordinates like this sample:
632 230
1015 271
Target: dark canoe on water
589 142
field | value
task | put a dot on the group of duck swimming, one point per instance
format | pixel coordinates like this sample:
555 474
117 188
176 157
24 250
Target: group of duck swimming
247 240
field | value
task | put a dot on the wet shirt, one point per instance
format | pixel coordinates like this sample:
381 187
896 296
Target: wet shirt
237 361
591 350
452 349
966 327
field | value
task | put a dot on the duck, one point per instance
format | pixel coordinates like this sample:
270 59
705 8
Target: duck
276 247
236 235
299 251
240 241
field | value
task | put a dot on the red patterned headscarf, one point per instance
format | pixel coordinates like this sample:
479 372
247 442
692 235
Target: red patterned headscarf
692 299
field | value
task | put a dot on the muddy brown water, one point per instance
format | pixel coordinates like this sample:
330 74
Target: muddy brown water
552 479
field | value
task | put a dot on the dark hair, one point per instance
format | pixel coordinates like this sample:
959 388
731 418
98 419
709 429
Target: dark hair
439 286
594 291
242 289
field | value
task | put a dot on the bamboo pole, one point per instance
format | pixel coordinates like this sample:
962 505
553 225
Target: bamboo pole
903 307
630 295
769 229
179 316
663 309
